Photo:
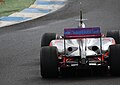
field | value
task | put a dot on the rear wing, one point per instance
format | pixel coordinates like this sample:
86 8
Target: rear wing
71 33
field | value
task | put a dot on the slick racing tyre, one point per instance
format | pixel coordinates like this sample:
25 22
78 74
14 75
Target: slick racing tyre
49 62
114 54
114 34
47 38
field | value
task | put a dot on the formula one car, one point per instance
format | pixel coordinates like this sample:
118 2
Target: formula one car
79 47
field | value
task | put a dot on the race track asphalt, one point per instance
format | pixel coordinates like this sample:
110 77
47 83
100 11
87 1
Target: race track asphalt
20 46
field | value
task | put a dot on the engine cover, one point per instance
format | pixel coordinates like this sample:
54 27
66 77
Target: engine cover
91 45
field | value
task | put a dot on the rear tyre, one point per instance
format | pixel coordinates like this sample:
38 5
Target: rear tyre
47 38
114 34
114 53
49 62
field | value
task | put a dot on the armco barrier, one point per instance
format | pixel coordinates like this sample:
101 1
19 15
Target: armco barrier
38 9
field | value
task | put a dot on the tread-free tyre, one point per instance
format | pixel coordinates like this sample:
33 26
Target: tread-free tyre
114 34
49 62
114 54
47 38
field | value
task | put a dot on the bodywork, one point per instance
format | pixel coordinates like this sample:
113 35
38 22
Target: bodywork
90 44
83 46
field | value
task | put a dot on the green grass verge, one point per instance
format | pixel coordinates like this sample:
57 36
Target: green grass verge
11 6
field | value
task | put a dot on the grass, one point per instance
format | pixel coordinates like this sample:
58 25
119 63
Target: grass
11 6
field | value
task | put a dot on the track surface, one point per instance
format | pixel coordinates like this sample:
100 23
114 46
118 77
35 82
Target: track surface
19 50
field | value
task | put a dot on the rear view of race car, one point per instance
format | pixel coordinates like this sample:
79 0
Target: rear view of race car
80 48
77 48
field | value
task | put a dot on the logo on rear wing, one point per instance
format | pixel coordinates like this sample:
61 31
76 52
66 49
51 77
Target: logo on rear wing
82 32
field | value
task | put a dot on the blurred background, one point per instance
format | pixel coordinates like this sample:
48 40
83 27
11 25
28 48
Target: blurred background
8 7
